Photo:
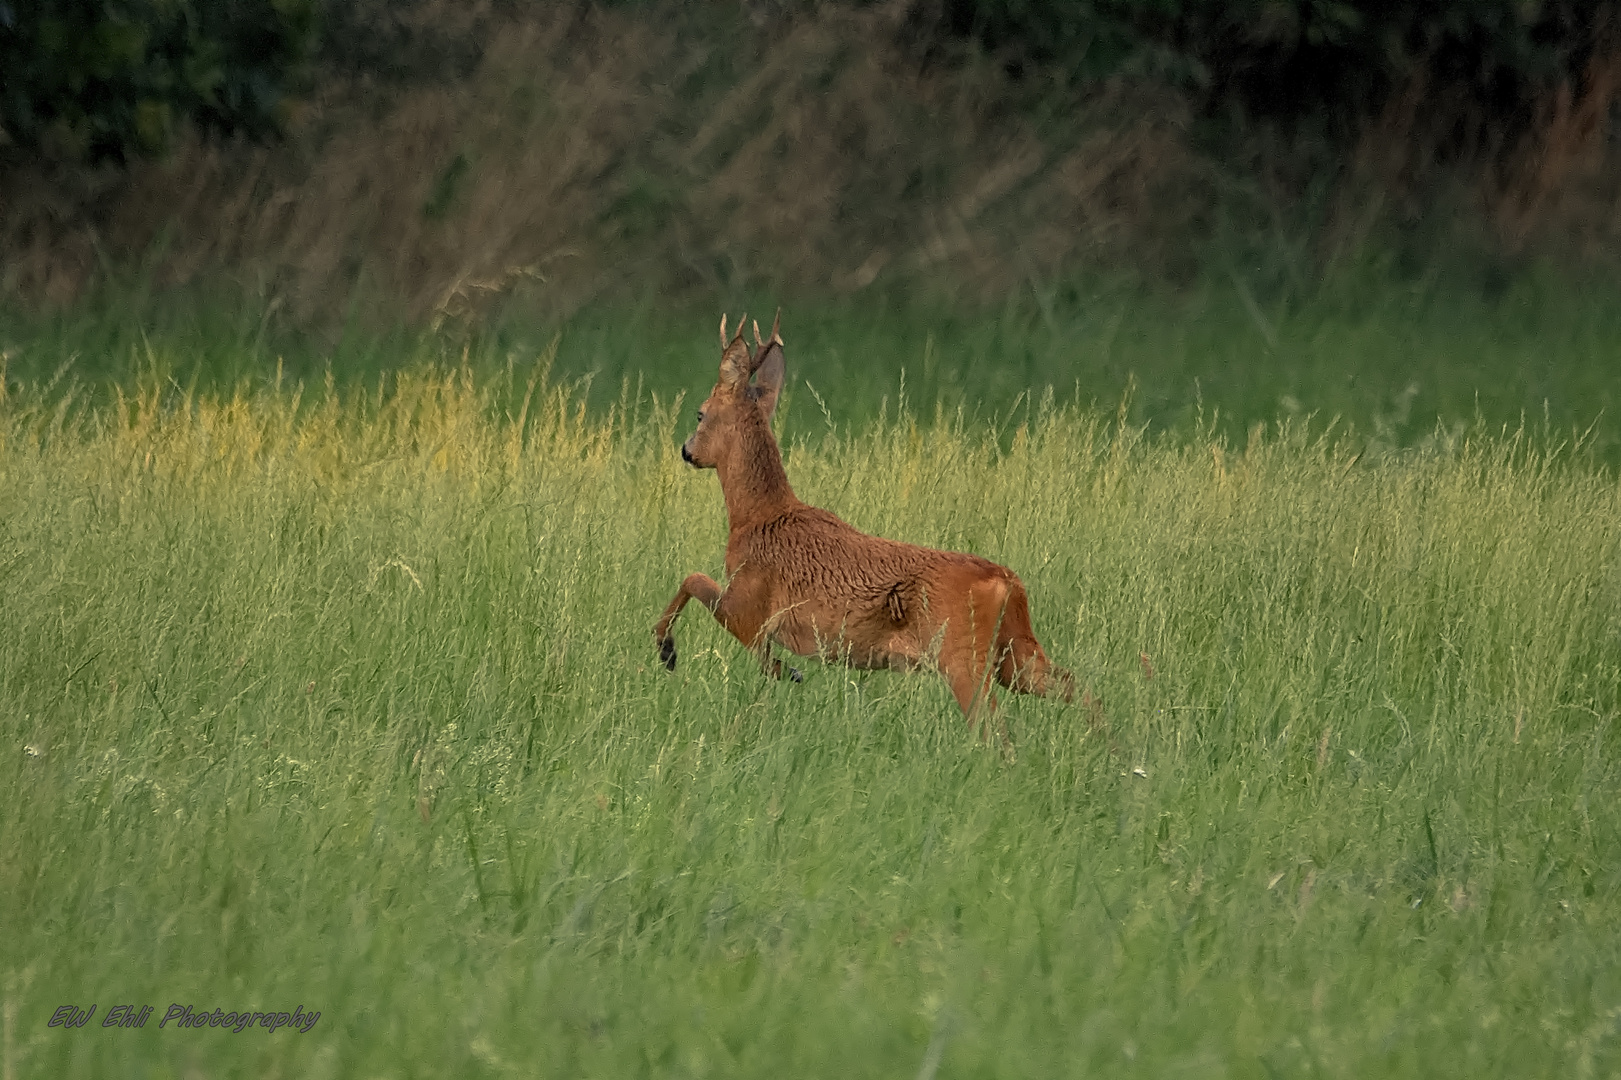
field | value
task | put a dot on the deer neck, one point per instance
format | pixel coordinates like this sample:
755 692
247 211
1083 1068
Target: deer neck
752 477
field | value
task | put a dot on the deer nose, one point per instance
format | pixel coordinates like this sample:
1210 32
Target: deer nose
686 455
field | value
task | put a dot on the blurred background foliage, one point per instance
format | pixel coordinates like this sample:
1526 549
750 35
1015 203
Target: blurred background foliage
435 162
112 76
1334 64
90 81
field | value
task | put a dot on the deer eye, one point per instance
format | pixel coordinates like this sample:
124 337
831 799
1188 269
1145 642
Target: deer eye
700 416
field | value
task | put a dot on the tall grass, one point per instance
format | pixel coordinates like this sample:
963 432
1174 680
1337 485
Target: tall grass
1403 367
345 697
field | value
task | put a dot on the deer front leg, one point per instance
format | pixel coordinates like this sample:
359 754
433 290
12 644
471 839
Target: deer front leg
773 668
743 610
738 609
700 587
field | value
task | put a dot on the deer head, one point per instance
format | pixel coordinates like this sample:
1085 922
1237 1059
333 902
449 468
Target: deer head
745 394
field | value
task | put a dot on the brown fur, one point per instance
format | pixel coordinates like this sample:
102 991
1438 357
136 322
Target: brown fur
802 578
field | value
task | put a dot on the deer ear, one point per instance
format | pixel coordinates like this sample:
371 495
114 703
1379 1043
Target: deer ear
735 362
768 376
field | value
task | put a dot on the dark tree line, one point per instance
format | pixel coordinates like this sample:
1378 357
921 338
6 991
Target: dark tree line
1335 61
99 79
110 78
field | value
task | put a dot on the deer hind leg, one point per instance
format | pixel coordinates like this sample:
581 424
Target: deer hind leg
1025 669
966 653
1022 666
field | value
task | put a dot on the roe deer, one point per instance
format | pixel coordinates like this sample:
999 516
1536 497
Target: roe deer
802 578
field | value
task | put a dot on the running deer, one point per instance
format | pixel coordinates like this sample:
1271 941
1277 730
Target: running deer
801 578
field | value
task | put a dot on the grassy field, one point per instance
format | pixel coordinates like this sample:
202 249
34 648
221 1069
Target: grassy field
343 697
1396 359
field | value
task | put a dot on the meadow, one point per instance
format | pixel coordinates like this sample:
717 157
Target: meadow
1400 357
340 693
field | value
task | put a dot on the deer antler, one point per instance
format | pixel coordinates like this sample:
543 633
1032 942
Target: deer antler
723 331
774 339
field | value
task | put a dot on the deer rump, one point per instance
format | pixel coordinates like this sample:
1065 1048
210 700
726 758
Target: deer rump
801 577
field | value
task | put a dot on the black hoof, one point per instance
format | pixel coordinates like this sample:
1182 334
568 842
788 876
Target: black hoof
667 652
794 675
